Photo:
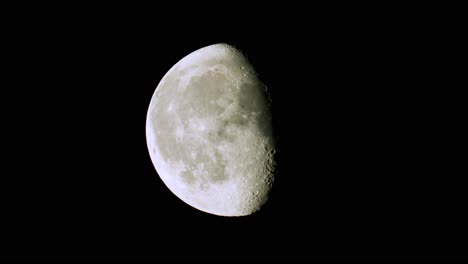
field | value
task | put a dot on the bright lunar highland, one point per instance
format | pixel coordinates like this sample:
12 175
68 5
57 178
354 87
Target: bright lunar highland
209 132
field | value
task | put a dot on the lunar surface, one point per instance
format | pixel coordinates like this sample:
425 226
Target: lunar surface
209 132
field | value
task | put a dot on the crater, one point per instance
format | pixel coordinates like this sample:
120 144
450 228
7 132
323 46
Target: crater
188 177
221 134
240 120
218 169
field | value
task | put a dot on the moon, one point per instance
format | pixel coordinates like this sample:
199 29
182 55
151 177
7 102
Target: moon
209 132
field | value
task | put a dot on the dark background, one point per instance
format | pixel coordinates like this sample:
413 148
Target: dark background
369 126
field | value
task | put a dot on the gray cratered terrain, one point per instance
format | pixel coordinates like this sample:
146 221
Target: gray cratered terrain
209 132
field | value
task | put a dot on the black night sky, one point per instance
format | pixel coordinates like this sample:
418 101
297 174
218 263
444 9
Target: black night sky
368 133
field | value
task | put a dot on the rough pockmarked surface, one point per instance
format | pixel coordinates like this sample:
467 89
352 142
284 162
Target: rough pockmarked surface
209 132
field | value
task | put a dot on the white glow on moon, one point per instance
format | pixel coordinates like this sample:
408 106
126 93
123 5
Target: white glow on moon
209 132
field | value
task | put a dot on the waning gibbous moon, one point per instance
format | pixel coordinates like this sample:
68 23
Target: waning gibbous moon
209 132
